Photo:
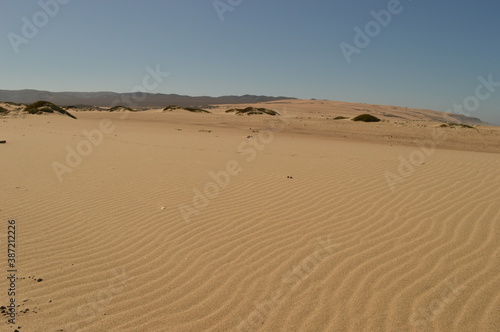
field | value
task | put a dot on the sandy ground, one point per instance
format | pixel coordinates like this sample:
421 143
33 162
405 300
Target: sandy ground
175 221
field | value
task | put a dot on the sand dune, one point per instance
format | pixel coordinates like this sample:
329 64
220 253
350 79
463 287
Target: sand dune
214 222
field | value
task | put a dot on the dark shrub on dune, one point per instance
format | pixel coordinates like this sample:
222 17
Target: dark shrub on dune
189 109
42 106
366 118
121 108
453 125
252 111
196 110
171 108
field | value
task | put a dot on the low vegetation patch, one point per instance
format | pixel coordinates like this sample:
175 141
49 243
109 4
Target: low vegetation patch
252 111
189 109
78 107
12 103
340 118
121 108
196 110
453 125
42 106
465 126
172 107
366 118
45 110
3 111
84 108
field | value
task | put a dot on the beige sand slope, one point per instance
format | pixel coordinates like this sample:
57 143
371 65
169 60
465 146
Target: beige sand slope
315 225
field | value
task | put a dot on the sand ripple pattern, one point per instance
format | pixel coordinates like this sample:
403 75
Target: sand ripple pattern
331 249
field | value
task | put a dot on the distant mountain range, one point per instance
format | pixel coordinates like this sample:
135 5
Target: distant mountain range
470 120
108 99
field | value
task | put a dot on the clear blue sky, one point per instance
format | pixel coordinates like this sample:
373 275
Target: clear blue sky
429 56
